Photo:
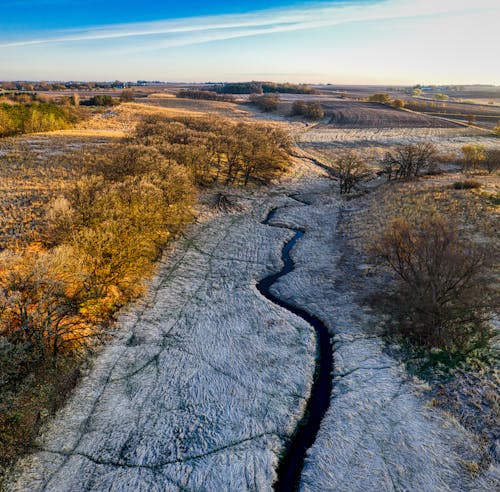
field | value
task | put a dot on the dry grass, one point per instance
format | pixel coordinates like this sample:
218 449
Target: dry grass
193 106
31 175
474 209
37 168
471 392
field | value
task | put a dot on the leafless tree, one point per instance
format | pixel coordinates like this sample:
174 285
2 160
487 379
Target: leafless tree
350 170
409 160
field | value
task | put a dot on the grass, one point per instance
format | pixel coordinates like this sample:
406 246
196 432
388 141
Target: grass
464 384
93 253
475 211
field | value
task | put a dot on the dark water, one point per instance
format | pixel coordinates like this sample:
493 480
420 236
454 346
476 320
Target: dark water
292 461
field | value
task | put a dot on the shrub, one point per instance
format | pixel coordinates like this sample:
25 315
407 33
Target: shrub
100 100
267 102
496 130
398 103
492 160
312 110
474 156
441 97
299 108
34 117
380 98
442 298
127 95
74 100
467 184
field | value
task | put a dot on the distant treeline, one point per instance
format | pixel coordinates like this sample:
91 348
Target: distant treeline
34 117
101 100
262 88
204 95
21 85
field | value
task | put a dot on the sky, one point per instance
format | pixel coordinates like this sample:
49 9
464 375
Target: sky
338 42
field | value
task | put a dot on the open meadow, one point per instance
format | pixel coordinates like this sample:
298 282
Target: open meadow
199 255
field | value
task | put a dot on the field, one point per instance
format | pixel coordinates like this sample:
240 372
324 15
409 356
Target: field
374 128
175 393
354 114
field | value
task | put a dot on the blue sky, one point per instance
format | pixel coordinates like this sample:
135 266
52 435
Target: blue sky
360 41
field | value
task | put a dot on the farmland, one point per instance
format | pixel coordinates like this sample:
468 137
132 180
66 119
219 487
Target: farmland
354 114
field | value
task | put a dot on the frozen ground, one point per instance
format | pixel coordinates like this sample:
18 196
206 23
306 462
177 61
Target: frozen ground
446 139
201 386
207 379
379 433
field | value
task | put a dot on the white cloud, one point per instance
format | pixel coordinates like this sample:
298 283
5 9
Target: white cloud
181 32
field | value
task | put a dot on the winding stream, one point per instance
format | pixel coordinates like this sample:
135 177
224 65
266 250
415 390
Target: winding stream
292 461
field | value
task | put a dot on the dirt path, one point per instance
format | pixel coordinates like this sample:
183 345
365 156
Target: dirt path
206 381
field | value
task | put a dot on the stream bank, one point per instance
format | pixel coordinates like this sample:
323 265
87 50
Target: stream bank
292 460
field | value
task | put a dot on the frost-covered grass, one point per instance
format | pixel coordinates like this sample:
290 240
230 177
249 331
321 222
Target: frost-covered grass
379 433
375 141
203 383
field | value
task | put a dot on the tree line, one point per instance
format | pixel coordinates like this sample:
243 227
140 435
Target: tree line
34 117
263 88
206 95
219 150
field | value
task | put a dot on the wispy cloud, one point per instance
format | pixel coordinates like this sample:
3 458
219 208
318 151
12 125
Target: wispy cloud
194 30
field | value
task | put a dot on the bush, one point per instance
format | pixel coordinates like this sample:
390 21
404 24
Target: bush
441 97
492 160
100 100
467 184
442 297
474 156
267 102
127 95
496 130
312 110
380 98
34 117
398 103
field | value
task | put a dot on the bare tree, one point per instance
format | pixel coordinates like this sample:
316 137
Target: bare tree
127 95
41 312
492 160
442 299
408 161
350 169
